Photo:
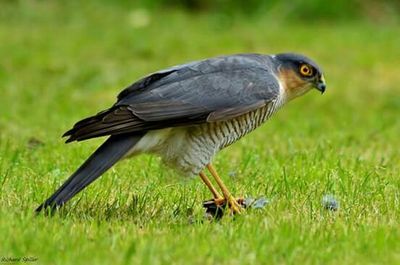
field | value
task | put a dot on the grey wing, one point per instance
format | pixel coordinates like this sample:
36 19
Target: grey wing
211 90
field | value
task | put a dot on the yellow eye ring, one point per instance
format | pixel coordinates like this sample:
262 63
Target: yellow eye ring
306 70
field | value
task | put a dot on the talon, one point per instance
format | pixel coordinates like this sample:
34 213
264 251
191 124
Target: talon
220 202
235 205
215 207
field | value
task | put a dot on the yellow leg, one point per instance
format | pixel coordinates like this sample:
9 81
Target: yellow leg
210 186
233 204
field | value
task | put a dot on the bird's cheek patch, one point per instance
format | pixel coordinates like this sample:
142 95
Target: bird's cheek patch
292 83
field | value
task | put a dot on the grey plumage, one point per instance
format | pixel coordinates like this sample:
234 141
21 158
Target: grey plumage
209 90
291 59
185 114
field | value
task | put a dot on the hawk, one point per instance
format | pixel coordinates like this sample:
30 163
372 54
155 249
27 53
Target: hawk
187 113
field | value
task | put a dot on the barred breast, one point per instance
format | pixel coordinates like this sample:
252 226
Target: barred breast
191 149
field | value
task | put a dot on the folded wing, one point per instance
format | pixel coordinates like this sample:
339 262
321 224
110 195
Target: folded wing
205 91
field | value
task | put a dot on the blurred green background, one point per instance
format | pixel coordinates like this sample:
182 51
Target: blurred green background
294 11
92 49
61 61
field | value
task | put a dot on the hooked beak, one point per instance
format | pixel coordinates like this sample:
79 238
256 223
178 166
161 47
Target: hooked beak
321 85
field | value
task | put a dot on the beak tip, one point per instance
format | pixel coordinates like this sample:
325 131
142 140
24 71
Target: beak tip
321 87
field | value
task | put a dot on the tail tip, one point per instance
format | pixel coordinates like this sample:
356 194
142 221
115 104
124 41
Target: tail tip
69 140
39 209
47 208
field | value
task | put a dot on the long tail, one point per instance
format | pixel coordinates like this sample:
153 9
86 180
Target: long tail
112 150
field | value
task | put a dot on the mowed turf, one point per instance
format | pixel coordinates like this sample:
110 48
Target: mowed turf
60 63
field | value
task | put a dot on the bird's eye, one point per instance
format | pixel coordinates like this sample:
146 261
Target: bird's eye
306 70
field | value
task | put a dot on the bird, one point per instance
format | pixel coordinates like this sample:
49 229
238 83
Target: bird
187 113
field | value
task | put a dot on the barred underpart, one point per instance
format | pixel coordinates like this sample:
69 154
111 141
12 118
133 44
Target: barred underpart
202 142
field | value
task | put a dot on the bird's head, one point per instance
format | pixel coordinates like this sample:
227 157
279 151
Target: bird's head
298 74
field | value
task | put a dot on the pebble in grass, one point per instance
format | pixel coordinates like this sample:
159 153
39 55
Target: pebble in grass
256 203
330 203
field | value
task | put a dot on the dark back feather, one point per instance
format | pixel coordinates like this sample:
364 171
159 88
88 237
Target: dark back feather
204 91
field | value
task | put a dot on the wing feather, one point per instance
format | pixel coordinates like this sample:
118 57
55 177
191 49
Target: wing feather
206 91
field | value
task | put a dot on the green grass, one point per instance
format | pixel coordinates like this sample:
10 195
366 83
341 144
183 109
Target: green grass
60 63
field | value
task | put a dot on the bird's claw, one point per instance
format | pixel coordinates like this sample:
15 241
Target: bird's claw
216 207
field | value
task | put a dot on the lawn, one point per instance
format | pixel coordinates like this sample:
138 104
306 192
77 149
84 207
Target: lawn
62 62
